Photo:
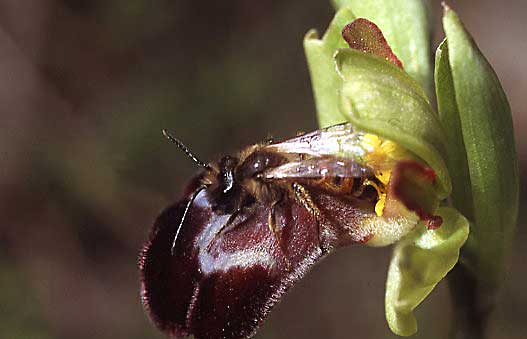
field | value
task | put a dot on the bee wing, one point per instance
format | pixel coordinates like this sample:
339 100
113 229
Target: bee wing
317 168
339 140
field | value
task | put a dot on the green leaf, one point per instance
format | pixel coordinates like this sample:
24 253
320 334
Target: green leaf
449 116
405 26
488 135
419 262
324 78
380 98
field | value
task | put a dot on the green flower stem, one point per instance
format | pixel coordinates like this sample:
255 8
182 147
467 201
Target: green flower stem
472 304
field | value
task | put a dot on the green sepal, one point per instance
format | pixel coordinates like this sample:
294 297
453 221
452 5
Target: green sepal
419 262
488 135
324 78
380 98
405 26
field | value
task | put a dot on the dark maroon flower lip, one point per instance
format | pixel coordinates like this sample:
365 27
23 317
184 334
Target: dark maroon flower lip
224 287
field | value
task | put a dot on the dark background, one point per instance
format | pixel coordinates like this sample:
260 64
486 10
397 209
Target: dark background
85 89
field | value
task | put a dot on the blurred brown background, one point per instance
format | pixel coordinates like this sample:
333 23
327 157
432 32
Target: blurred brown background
86 87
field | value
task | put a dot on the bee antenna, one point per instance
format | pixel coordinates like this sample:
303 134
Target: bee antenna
184 148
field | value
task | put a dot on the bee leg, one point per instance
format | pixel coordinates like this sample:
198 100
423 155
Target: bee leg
272 227
304 198
224 227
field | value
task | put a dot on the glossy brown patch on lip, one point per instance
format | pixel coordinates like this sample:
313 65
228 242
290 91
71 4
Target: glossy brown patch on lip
227 289
364 35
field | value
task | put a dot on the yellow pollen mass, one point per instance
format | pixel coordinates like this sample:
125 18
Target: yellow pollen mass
381 155
379 206
384 176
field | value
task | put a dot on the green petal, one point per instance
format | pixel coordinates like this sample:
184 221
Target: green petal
364 35
380 98
324 78
486 124
449 116
419 262
405 26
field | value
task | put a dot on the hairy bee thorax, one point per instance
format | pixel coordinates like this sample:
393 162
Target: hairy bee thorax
236 181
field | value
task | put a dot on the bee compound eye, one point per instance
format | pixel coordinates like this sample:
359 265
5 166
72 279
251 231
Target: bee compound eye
257 163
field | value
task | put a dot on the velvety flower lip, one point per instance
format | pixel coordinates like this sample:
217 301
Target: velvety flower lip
224 284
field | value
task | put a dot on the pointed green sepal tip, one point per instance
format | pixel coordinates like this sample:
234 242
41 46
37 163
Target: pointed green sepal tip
486 127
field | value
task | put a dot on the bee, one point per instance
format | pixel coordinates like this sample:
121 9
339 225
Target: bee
250 225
